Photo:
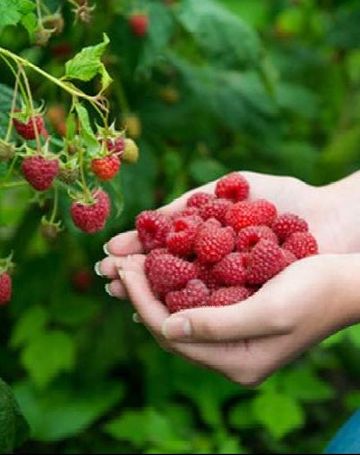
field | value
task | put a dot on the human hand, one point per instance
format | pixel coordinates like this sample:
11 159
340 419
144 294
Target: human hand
247 341
315 204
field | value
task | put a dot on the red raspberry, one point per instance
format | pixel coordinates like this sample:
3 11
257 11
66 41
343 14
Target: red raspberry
199 198
105 168
168 273
152 227
82 280
205 274
139 24
286 224
91 217
251 235
195 294
116 145
263 211
212 244
229 296
39 171
210 223
5 288
301 244
152 257
28 129
216 208
231 270
289 257
265 261
240 215
233 186
181 238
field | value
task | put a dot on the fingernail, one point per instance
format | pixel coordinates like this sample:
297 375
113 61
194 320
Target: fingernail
136 318
108 290
97 269
105 248
176 327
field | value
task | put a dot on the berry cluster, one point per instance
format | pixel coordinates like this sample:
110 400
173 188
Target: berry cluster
221 248
40 168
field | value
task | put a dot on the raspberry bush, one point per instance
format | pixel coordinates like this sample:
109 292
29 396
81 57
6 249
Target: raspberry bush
112 108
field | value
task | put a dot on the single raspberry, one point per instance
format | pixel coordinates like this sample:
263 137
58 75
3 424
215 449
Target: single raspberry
212 244
286 224
231 270
181 238
228 296
152 227
195 294
40 171
82 280
216 208
205 274
105 168
289 257
301 244
210 223
168 273
116 145
152 257
91 217
240 215
233 186
199 198
5 288
28 129
139 24
263 211
265 261
131 153
251 235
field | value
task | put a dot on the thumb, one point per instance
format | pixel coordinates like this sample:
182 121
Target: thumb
254 317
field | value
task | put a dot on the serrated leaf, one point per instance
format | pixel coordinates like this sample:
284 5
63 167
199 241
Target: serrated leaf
87 64
47 355
215 29
12 11
278 413
31 323
62 412
86 131
14 430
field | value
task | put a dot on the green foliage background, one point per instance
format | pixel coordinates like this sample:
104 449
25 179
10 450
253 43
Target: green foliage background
265 85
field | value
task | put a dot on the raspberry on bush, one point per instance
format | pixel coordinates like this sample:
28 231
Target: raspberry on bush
91 216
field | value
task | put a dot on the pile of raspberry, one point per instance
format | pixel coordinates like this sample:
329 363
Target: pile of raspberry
221 248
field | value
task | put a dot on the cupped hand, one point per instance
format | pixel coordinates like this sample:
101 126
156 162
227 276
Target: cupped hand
247 341
315 204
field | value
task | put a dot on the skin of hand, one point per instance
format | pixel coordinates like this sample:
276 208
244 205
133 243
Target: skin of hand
305 303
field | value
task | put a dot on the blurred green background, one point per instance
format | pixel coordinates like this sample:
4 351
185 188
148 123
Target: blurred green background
216 85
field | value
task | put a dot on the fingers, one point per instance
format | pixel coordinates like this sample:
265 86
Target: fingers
152 312
115 289
124 244
254 317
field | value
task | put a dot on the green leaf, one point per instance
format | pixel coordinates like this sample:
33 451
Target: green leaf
87 64
354 334
30 22
62 412
278 413
12 11
13 428
31 323
223 37
86 130
47 355
302 383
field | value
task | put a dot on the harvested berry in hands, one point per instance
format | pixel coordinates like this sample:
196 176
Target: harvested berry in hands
221 248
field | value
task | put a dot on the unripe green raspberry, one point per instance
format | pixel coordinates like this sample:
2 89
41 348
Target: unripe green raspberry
131 152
